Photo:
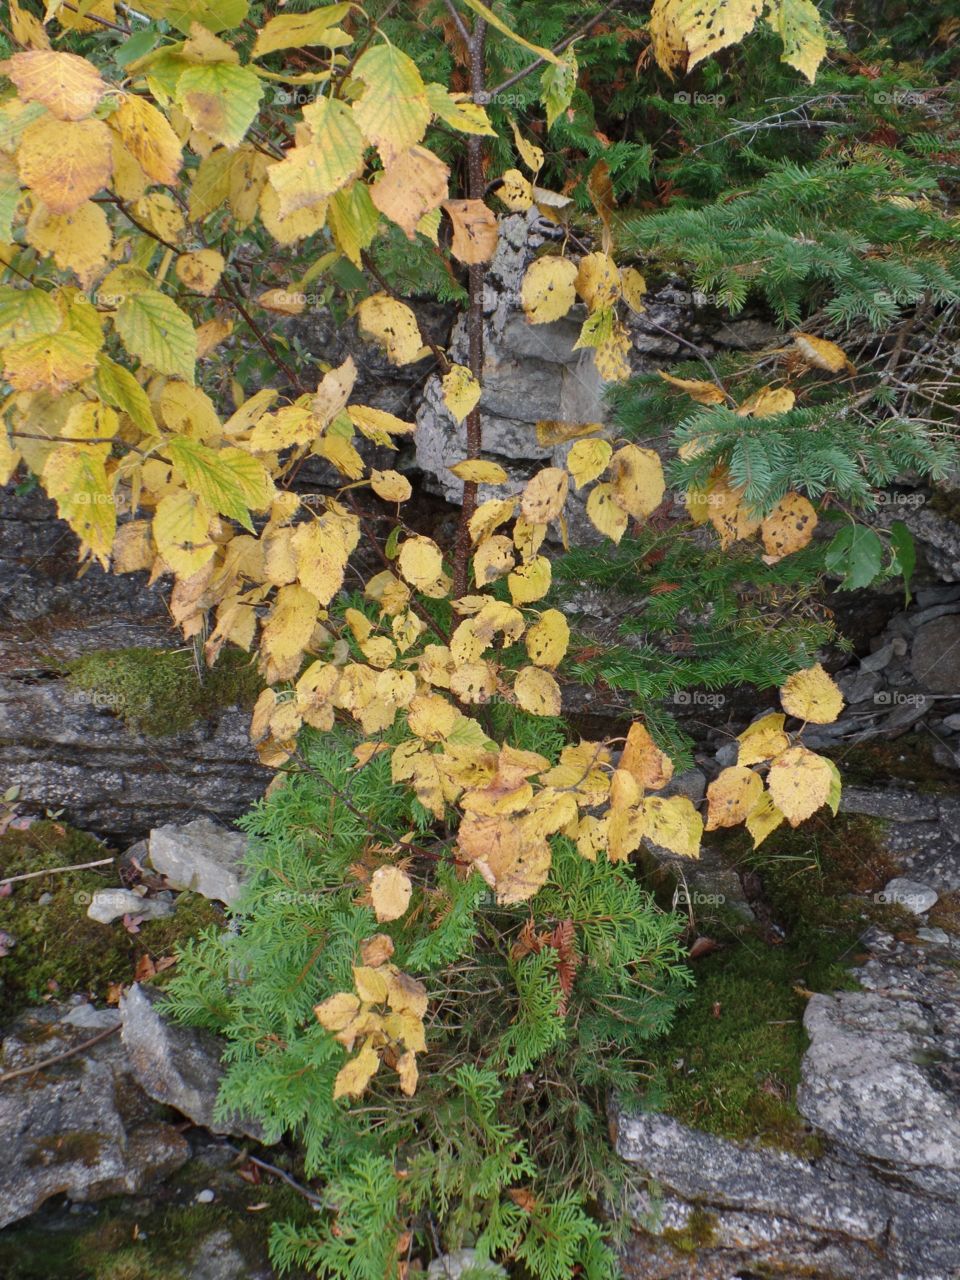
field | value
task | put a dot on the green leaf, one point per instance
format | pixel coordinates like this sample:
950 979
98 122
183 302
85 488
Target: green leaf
229 481
138 46
904 554
354 219
557 85
9 197
856 555
155 330
220 99
393 111
120 389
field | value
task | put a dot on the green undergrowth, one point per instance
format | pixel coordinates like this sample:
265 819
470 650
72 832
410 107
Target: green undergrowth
58 950
907 760
163 691
731 1063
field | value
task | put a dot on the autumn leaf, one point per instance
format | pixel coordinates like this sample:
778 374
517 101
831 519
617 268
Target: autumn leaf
588 459
548 292
731 796
788 528
390 890
461 391
392 324
812 695
762 740
475 230
800 783
642 758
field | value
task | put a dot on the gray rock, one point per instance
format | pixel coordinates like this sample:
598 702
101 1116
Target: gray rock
911 895
463 1264
80 1127
858 686
202 856
692 784
952 722
939 937
746 334
178 1066
218 1257
110 904
935 658
878 660
896 803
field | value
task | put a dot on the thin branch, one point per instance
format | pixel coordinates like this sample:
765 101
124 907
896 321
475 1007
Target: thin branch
104 22
59 1057
458 22
55 871
557 48
235 298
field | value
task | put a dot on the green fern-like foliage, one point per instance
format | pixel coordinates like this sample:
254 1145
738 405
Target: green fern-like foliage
536 1012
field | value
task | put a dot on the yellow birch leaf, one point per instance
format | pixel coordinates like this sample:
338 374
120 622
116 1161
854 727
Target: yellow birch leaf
456 110
420 561
479 471
431 717
821 353
390 891
294 30
605 514
75 477
410 186
337 1011
612 354
641 757
598 281
530 154
537 692
548 292
286 633
699 392
493 558
515 191
181 530
27 30
811 695
407 1071
588 459
592 836
800 782
763 819
391 486
531 581
684 34
473 682
378 425
393 112
393 325
544 495
354 1077
461 391
528 538
633 287
200 270
147 135
513 863
475 230
732 796
673 824
49 363
493 20
636 480
353 220
79 241
767 403
547 640
314 170
788 528
762 740
220 100
298 225
65 162
68 86
489 516
282 301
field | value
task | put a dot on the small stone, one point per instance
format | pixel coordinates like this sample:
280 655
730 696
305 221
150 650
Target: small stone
45 899
952 722
877 661
858 686
202 856
939 937
451 1266
935 659
110 904
909 894
206 1196
727 754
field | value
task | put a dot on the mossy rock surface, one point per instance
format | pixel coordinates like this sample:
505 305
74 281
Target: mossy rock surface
58 950
162 691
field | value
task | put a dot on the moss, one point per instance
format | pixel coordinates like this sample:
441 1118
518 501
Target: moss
58 950
160 691
731 1063
945 913
908 760
66 1148
699 1233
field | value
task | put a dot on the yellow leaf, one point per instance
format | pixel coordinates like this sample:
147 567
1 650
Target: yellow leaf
530 154
530 581
475 230
200 270
548 292
632 287
286 633
767 403
528 538
543 498
407 1071
674 824
800 27
337 1011
377 424
461 391
548 638
393 112
821 353
489 516
811 695
456 110
637 480
479 471
74 476
420 561
514 863
390 890
762 819
220 100
298 225
641 757
353 1078
732 796
800 782
493 558
683 34
788 528
27 29
294 30
515 191
51 363
553 433
181 530
588 459
494 21
353 220
473 682
314 170
605 514
410 186
147 136
391 486
68 86
700 392
378 949
393 325
322 548
598 281
537 692
79 241
65 162
282 301
762 740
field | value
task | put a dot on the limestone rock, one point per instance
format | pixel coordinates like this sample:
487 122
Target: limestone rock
464 1263
911 895
178 1066
202 856
81 1127
110 904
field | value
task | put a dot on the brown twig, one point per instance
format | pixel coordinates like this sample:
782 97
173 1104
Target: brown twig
54 871
59 1057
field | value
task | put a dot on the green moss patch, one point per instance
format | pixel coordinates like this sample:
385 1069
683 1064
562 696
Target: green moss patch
731 1063
908 760
58 950
161 691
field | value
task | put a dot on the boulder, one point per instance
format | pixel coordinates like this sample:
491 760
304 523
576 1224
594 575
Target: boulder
80 1127
200 855
935 657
